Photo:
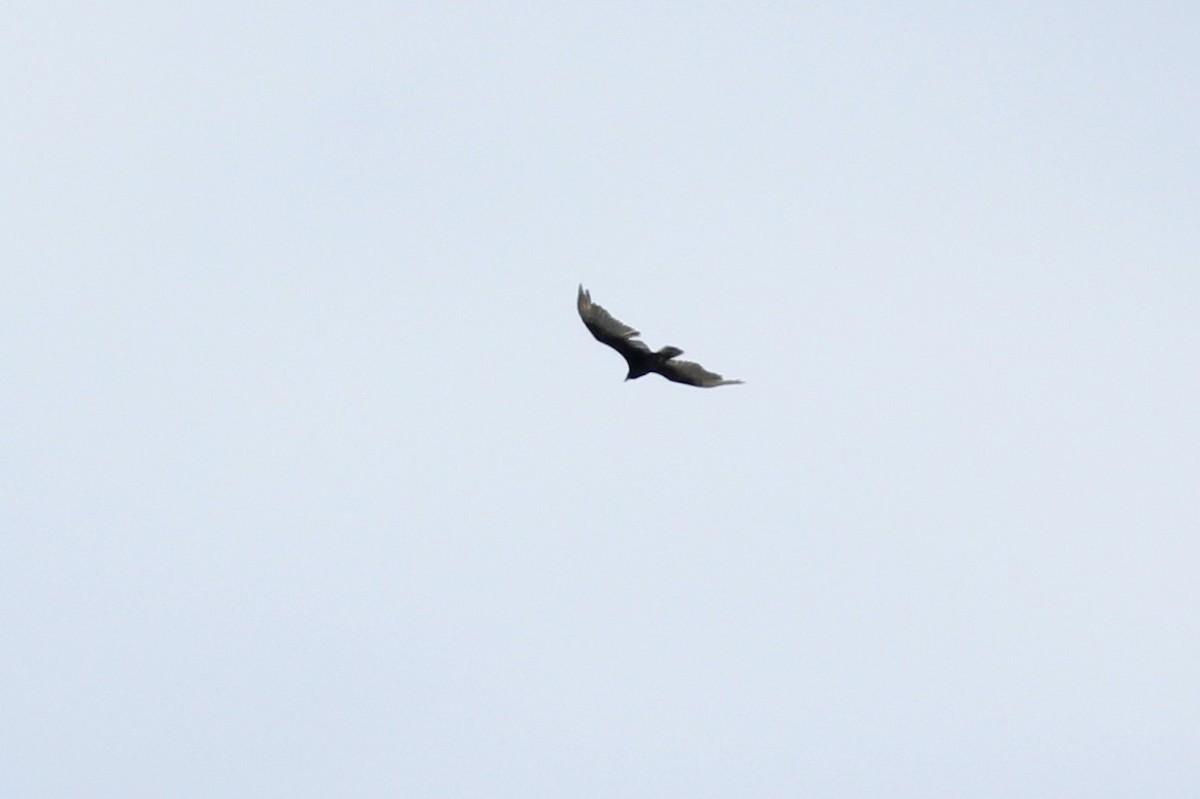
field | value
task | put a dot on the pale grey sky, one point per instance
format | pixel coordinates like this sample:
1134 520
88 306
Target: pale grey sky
315 484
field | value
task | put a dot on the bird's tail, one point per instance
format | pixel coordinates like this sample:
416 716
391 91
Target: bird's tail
667 353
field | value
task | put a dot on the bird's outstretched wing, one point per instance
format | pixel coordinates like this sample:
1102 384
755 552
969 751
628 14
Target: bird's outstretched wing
605 327
693 374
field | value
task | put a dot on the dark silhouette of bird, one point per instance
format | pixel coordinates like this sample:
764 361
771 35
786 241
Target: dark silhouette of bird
623 338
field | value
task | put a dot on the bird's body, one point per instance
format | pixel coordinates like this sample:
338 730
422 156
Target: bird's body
641 360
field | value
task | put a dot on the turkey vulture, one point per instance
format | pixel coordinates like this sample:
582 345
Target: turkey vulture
623 338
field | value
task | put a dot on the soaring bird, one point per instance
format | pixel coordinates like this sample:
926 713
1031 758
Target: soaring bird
623 338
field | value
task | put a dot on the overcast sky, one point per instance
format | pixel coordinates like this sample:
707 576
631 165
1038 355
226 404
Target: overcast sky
314 484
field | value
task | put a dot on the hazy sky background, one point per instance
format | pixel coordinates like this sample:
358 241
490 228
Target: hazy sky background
315 485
